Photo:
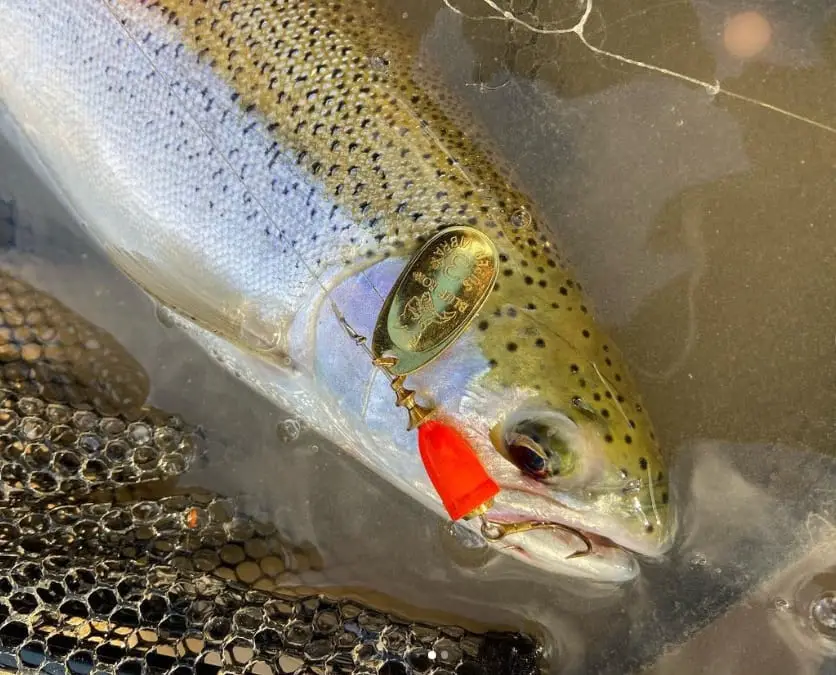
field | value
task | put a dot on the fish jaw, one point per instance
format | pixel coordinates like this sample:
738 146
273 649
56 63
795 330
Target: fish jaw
570 542
557 551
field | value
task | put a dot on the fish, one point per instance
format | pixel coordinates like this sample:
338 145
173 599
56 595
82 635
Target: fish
272 174
109 562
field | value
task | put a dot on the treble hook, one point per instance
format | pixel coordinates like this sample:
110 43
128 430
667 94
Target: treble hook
493 531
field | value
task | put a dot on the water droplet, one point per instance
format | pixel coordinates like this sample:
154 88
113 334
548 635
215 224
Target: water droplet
465 547
781 604
521 218
164 315
698 559
632 486
379 62
290 430
823 613
465 536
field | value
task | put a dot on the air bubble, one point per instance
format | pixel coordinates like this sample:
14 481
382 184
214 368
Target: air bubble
823 614
632 486
378 62
781 605
164 315
698 559
289 430
521 218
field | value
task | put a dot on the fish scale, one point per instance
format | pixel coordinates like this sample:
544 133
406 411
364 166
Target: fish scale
243 160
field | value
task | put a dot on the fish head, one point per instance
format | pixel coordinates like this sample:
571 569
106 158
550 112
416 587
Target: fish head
564 472
558 424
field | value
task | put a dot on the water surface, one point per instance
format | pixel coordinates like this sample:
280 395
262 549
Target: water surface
693 191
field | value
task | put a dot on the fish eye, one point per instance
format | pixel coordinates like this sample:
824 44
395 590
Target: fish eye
540 447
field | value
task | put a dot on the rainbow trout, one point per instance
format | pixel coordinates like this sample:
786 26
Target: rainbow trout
294 187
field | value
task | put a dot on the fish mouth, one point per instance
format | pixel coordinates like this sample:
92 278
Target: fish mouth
557 546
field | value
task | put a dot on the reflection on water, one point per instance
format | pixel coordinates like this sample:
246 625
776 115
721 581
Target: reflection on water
694 194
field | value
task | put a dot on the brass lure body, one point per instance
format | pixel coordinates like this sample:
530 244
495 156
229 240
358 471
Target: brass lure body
253 164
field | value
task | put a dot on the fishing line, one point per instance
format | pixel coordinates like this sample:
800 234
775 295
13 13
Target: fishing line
713 88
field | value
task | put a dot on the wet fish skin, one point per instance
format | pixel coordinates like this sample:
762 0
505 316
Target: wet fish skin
107 563
237 159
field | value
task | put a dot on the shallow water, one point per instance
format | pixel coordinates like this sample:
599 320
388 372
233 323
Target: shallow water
697 207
